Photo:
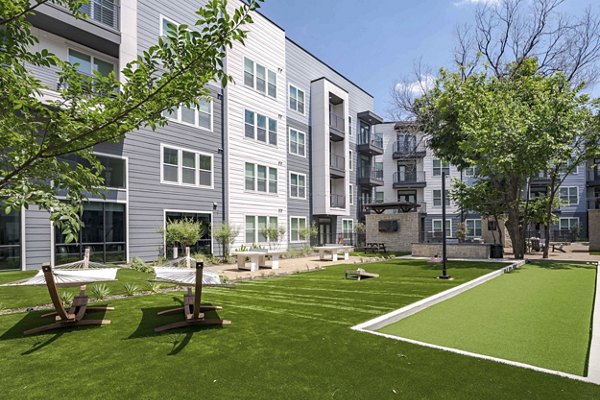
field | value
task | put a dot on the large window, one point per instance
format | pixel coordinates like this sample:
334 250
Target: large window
347 228
261 128
379 196
204 245
198 117
103 232
568 224
113 170
10 240
569 195
297 185
297 225
440 166
408 197
297 143
437 198
436 227
473 227
351 194
296 99
186 167
260 78
255 228
260 178
87 64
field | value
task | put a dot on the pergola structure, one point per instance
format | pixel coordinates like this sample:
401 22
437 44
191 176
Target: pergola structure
379 208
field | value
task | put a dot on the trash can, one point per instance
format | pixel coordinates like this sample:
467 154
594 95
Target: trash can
496 251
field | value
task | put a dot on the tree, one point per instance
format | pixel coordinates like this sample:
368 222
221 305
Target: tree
273 234
226 235
184 232
509 127
36 132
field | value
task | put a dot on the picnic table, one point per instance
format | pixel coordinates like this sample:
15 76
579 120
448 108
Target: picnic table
333 250
375 247
257 259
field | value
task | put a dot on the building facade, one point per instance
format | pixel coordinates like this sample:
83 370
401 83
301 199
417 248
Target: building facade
278 147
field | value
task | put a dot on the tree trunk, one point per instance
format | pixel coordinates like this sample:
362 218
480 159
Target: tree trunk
516 233
546 239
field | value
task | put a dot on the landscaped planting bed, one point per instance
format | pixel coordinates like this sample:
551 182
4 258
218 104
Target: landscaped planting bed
539 314
290 338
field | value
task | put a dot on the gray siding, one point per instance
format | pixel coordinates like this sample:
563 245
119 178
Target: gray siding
299 207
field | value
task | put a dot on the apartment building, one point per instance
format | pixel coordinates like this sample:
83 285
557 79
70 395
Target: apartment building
412 174
279 147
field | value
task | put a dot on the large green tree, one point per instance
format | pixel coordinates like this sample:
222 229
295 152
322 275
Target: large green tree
510 128
37 131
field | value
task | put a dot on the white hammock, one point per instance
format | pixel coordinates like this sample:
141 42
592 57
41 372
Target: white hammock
70 277
185 276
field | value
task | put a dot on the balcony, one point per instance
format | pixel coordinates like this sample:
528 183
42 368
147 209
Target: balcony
337 201
404 150
541 179
371 177
337 166
337 125
593 203
373 147
410 179
593 177
100 31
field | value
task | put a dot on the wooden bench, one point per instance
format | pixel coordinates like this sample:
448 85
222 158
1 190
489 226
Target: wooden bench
375 247
559 247
358 274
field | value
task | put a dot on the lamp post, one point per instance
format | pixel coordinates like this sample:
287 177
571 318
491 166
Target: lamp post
444 274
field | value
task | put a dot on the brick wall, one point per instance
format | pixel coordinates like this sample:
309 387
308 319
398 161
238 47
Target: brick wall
463 250
407 234
594 229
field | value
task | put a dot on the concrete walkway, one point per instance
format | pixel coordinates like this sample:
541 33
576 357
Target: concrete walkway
572 252
286 267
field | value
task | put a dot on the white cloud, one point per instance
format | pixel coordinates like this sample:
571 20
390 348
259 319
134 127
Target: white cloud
418 87
466 2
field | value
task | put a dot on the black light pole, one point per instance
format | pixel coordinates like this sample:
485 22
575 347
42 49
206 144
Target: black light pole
444 274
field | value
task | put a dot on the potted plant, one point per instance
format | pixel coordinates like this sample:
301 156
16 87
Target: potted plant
461 232
225 236
183 232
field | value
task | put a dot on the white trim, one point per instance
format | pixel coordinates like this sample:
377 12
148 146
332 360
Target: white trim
23 240
255 77
350 194
350 160
290 86
161 18
196 124
305 225
569 219
480 227
120 157
94 55
290 186
180 167
256 229
255 129
256 191
448 234
568 187
351 222
166 210
290 142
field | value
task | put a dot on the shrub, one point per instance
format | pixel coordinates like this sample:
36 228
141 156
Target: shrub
130 288
185 232
139 265
66 297
154 287
100 291
225 235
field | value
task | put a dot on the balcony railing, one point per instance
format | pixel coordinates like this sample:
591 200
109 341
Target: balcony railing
593 175
376 142
408 149
409 177
337 201
337 162
336 122
105 12
372 174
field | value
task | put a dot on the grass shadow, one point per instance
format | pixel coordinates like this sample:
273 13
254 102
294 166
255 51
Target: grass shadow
462 265
559 265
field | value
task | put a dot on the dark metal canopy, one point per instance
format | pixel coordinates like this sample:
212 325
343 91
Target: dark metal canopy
379 208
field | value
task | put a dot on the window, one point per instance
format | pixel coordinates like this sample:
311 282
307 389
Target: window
351 160
204 245
351 194
297 143
440 166
254 231
470 171
167 26
103 231
297 225
569 195
186 167
436 225
87 64
473 227
347 228
296 99
297 185
199 117
260 178
103 11
350 125
260 78
10 240
378 165
437 198
379 196
259 127
569 165
568 224
407 197
113 172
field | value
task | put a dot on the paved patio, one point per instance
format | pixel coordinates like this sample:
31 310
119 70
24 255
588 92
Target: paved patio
573 252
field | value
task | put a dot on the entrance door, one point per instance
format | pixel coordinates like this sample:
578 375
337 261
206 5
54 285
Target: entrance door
324 232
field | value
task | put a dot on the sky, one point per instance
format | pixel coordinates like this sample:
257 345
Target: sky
375 43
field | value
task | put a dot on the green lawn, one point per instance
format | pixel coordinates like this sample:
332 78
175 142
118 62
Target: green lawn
28 296
290 338
539 315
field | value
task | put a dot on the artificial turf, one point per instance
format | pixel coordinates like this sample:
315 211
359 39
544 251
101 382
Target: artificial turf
290 338
538 314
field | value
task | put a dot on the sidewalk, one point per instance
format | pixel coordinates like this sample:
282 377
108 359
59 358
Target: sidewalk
573 252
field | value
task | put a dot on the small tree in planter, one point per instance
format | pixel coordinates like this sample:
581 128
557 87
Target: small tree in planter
183 232
360 229
461 232
274 234
307 233
226 235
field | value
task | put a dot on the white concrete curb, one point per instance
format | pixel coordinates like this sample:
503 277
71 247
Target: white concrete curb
594 359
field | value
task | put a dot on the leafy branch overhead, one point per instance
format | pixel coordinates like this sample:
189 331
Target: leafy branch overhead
40 127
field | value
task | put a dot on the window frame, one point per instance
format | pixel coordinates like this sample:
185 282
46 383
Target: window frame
267 128
298 239
448 231
162 18
197 168
290 86
196 124
474 221
267 78
267 179
441 168
256 226
298 175
569 203
350 160
298 132
570 225
433 197
350 194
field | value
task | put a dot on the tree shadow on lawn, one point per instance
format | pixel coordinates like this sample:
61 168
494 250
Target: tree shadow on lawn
557 265
43 339
178 338
492 266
